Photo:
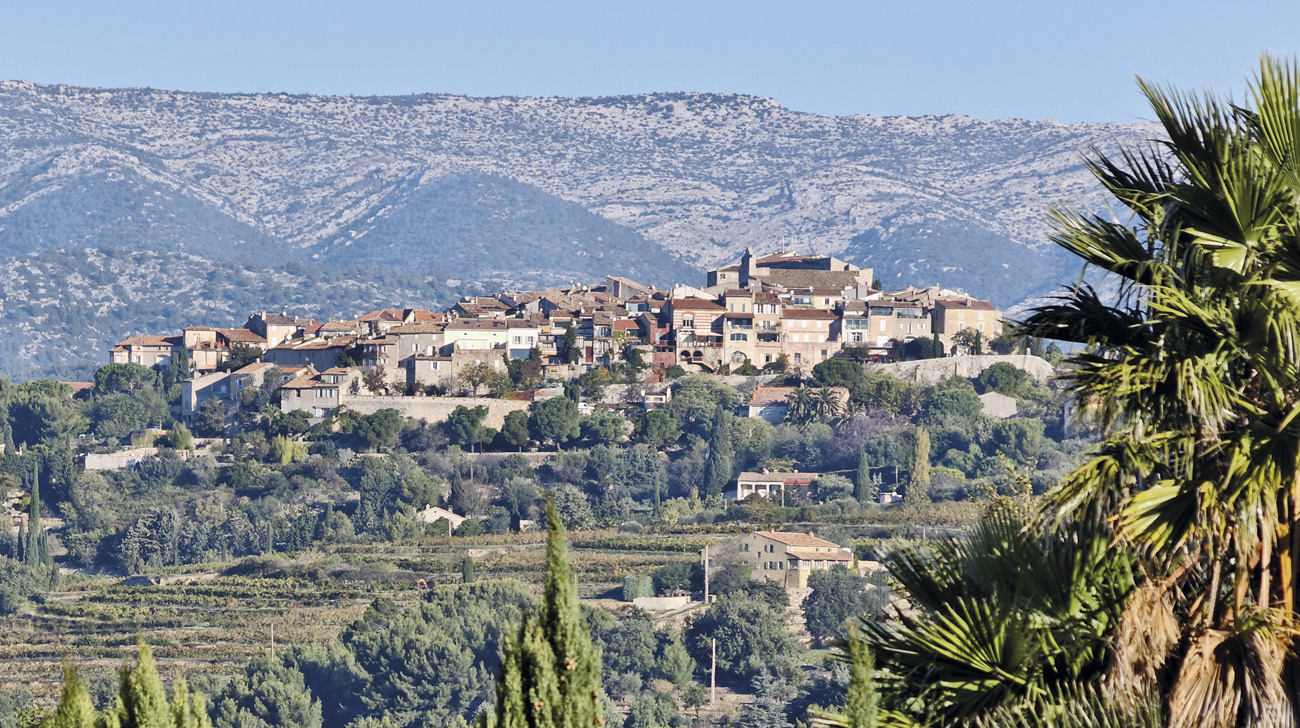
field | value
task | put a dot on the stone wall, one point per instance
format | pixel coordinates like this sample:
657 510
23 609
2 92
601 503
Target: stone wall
970 366
434 409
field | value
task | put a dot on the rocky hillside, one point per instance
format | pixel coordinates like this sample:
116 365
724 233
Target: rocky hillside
535 191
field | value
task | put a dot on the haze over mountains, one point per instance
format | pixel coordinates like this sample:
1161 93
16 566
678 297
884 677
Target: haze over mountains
410 200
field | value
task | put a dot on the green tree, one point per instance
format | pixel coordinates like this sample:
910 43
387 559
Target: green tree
657 429
863 700
75 709
864 488
918 469
554 420
241 355
572 354
1009 612
466 567
210 420
550 671
767 709
719 468
378 430
514 431
837 597
180 437
1005 378
127 378
1190 374
464 426
750 633
268 695
605 427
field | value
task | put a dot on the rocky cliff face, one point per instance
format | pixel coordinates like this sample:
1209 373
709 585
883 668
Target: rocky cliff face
533 191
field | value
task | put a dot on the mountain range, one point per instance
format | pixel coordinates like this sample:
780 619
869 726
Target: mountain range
275 200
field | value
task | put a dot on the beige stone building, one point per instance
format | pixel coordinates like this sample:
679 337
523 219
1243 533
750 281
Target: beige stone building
809 336
783 557
751 329
144 350
952 315
697 325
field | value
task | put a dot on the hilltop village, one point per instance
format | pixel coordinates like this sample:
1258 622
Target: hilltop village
772 314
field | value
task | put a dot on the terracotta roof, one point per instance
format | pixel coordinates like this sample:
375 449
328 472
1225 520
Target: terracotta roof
737 292
796 539
256 366
695 304
472 324
241 335
338 326
739 314
728 269
300 383
626 325
148 340
79 386
770 395
795 278
335 370
278 319
311 328
808 313
425 328
965 303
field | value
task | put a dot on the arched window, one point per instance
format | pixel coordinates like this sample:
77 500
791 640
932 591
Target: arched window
738 357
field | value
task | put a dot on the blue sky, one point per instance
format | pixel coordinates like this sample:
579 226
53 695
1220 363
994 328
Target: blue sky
1059 59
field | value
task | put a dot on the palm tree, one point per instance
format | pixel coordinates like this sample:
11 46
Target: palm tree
799 405
1191 371
826 404
1007 617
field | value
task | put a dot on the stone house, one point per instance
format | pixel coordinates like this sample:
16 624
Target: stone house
145 350
783 557
952 315
809 336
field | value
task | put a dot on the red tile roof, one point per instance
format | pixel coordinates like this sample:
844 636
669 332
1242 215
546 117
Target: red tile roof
797 539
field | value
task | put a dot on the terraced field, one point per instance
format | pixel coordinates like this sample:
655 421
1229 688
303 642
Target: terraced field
207 622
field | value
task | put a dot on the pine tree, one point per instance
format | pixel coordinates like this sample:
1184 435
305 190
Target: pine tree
75 709
864 701
550 671
718 468
918 479
863 488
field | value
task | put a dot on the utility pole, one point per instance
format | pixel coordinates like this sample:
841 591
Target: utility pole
713 674
706 574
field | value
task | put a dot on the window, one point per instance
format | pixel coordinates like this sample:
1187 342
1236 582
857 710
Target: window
688 322
744 547
738 357
739 337
855 337
798 357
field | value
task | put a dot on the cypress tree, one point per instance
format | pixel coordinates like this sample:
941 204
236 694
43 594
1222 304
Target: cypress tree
142 699
863 492
10 451
75 709
863 700
466 569
32 551
718 468
550 671
918 477
189 710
